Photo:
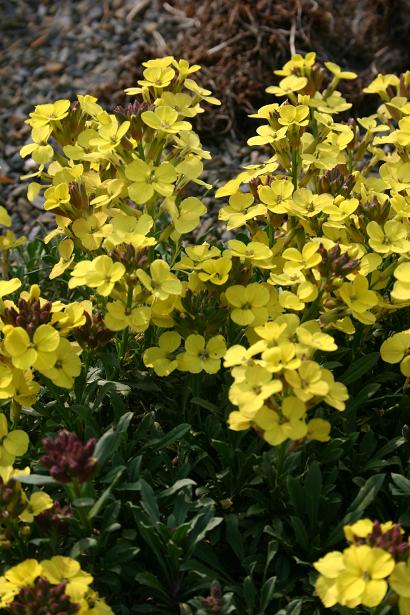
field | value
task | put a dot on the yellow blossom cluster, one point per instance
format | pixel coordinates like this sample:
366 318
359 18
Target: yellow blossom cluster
330 207
324 244
31 582
376 564
16 505
34 340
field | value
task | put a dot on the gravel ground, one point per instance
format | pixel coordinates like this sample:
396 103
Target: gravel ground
56 49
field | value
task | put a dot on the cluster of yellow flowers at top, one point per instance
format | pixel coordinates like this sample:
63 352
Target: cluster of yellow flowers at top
375 562
324 244
32 586
333 208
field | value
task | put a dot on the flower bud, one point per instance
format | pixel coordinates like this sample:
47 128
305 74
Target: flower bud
68 459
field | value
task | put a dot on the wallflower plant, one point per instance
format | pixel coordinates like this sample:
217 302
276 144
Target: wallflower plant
318 258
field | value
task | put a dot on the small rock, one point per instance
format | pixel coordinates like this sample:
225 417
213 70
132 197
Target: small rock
16 163
54 67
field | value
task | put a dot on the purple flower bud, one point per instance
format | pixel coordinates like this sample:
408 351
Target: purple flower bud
68 459
43 597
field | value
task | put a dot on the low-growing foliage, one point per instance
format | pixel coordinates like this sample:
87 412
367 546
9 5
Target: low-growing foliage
126 347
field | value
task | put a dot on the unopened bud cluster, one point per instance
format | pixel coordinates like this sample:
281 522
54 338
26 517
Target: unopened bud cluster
68 459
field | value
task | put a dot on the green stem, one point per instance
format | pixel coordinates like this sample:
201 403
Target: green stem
141 150
6 264
295 162
74 492
125 333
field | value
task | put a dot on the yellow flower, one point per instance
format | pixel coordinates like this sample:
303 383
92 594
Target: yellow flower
39 150
401 289
310 334
128 229
390 239
399 580
189 212
117 317
16 578
256 387
65 249
308 381
101 273
61 569
363 528
13 443
296 260
109 135
280 357
287 86
162 358
162 282
288 424
50 112
337 394
164 119
67 365
326 586
238 422
92 230
200 355
380 85
38 503
157 76
148 179
318 429
277 196
38 353
363 579
9 286
249 303
338 72
397 349
308 205
357 296
57 197
255 251
215 270
241 208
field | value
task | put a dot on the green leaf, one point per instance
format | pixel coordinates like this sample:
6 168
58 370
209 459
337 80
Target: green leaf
364 498
401 485
234 537
83 502
203 403
313 489
149 502
169 438
104 496
35 479
82 547
249 593
267 593
177 486
111 439
150 580
359 367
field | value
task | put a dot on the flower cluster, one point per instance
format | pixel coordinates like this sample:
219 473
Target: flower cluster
68 459
17 507
324 242
34 340
375 562
329 213
53 586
